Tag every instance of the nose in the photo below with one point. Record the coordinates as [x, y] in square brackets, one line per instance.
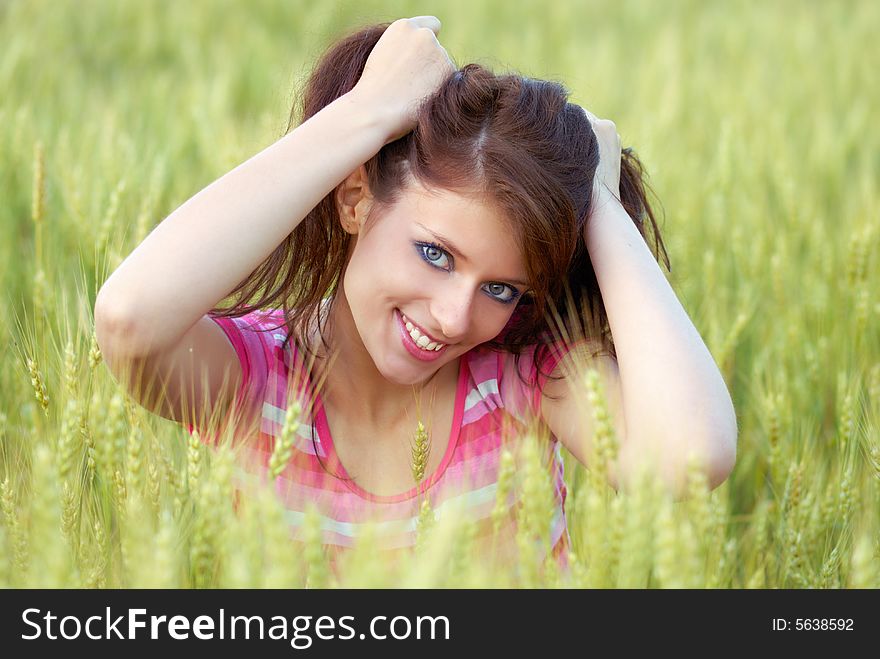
[452, 309]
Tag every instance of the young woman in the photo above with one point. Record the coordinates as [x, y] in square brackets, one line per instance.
[403, 251]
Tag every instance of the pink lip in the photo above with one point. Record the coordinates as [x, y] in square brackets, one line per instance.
[411, 346]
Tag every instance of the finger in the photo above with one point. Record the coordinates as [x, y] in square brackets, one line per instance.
[592, 117]
[430, 22]
[452, 66]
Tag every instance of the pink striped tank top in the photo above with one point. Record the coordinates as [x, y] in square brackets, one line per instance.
[493, 407]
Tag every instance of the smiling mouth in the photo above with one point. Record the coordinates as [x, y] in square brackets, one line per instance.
[423, 341]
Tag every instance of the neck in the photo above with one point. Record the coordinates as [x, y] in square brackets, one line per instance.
[358, 387]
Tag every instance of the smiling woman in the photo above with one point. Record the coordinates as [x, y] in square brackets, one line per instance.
[407, 253]
[459, 302]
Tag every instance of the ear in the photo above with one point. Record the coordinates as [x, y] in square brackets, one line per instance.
[353, 200]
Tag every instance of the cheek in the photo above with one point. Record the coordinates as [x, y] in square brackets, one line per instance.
[359, 281]
[501, 323]
[376, 272]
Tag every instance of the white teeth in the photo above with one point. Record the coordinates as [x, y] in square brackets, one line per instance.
[420, 339]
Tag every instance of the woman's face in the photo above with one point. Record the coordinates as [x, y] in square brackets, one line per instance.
[445, 262]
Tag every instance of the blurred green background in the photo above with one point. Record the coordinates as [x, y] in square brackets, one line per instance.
[753, 120]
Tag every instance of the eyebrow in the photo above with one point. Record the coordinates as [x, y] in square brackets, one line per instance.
[445, 242]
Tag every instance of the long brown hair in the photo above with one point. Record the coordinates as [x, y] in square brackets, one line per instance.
[514, 140]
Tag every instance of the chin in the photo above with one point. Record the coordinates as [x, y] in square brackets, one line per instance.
[407, 375]
[418, 374]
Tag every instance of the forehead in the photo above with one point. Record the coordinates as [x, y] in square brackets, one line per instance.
[468, 219]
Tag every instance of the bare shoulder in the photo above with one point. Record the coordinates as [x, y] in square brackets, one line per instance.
[193, 380]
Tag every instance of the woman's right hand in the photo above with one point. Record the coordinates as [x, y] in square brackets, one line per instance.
[406, 66]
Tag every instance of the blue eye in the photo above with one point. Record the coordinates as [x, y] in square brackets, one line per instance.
[502, 292]
[434, 255]
[438, 258]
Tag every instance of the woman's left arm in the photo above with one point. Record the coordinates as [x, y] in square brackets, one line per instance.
[666, 397]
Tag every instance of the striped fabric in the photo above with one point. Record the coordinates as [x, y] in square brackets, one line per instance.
[492, 408]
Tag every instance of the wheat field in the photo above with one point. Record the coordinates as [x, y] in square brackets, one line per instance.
[753, 121]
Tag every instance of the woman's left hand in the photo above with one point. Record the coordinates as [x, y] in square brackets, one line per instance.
[608, 171]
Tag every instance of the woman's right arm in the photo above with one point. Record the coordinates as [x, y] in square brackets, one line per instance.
[151, 317]
[217, 238]
[150, 314]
